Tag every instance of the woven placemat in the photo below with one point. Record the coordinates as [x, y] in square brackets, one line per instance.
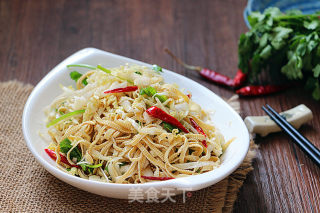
[25, 186]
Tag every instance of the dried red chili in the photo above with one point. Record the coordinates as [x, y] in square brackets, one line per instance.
[162, 115]
[212, 75]
[157, 178]
[200, 130]
[239, 79]
[260, 90]
[125, 89]
[216, 77]
[63, 159]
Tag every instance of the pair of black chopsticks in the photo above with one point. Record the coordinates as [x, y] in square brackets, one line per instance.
[304, 144]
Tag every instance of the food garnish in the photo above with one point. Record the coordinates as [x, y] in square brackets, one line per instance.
[286, 44]
[162, 115]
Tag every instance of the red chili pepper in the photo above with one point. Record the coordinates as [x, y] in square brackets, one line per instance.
[260, 90]
[157, 178]
[239, 79]
[162, 115]
[216, 77]
[200, 130]
[211, 74]
[63, 159]
[189, 96]
[125, 89]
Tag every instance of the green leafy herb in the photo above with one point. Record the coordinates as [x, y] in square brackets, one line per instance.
[150, 91]
[61, 113]
[137, 72]
[85, 82]
[285, 44]
[65, 146]
[169, 127]
[161, 98]
[157, 68]
[74, 75]
[55, 121]
[82, 65]
[88, 167]
[103, 69]
[93, 166]
[68, 169]
[106, 168]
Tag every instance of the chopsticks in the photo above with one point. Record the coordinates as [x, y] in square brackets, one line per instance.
[303, 143]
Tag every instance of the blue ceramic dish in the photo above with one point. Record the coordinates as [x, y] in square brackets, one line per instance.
[306, 6]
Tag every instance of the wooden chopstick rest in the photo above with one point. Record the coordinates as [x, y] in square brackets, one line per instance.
[263, 125]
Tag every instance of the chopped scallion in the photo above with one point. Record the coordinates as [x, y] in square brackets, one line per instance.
[82, 65]
[55, 121]
[150, 91]
[103, 69]
[169, 127]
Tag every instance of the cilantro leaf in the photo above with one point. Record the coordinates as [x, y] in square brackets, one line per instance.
[137, 72]
[293, 69]
[280, 34]
[316, 71]
[157, 68]
[65, 146]
[311, 25]
[316, 92]
[284, 45]
[85, 81]
[74, 75]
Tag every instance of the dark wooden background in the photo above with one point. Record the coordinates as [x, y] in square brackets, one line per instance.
[36, 35]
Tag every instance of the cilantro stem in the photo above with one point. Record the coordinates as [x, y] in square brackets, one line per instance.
[81, 65]
[109, 72]
[103, 69]
[295, 16]
[55, 121]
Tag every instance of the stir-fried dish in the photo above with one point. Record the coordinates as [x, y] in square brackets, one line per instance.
[126, 125]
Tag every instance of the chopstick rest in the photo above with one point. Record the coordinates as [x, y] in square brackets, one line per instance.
[263, 125]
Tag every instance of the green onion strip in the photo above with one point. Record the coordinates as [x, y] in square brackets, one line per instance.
[55, 121]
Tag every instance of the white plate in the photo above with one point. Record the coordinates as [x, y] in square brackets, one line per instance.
[225, 118]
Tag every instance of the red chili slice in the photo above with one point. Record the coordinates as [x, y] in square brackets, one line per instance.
[199, 130]
[125, 89]
[162, 115]
[157, 178]
[63, 159]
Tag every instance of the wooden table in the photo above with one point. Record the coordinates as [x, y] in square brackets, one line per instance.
[37, 35]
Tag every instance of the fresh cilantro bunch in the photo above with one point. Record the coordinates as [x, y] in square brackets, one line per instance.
[282, 43]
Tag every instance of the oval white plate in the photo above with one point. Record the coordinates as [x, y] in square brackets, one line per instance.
[225, 118]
